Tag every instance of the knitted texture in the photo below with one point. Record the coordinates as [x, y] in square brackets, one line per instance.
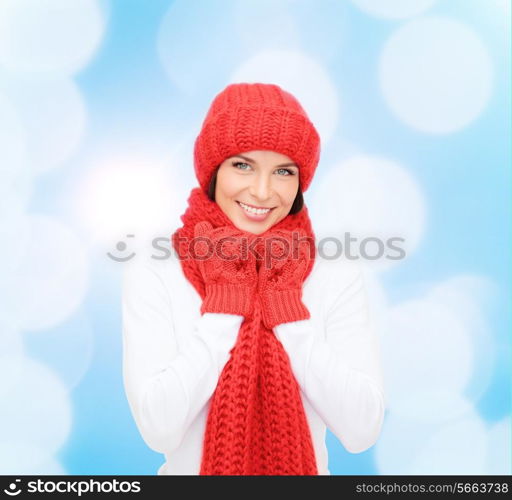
[280, 280]
[256, 116]
[230, 281]
[256, 422]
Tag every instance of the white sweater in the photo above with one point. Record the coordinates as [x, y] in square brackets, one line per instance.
[173, 356]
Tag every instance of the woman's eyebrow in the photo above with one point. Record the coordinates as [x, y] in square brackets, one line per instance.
[250, 160]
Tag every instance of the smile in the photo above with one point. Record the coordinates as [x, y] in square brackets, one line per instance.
[257, 214]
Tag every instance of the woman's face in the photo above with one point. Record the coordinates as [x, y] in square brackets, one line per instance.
[261, 179]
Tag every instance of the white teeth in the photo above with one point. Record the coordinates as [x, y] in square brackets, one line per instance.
[258, 211]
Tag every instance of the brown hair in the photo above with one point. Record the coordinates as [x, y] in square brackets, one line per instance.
[298, 203]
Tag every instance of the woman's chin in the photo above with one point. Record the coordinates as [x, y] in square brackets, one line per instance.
[252, 226]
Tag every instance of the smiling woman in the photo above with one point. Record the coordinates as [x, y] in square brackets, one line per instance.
[256, 189]
[259, 157]
[235, 364]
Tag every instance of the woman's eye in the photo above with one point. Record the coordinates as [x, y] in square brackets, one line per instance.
[282, 171]
[288, 172]
[237, 163]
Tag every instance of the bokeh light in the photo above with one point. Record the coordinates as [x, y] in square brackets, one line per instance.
[422, 69]
[370, 197]
[394, 9]
[49, 37]
[37, 409]
[100, 104]
[25, 458]
[55, 131]
[303, 77]
[123, 196]
[50, 278]
[429, 343]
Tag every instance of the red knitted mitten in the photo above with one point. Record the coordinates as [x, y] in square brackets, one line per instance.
[229, 271]
[281, 275]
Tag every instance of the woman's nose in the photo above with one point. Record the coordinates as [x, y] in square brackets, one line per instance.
[261, 188]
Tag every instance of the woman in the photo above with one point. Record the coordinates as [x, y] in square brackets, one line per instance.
[239, 354]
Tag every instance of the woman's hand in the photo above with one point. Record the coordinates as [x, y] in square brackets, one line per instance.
[286, 259]
[227, 267]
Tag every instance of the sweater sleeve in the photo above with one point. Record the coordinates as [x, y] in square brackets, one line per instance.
[340, 372]
[167, 383]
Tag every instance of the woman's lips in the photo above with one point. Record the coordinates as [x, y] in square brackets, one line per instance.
[254, 217]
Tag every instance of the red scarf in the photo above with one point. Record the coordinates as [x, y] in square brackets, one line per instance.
[259, 427]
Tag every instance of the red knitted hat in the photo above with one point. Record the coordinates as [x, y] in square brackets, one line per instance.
[256, 116]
